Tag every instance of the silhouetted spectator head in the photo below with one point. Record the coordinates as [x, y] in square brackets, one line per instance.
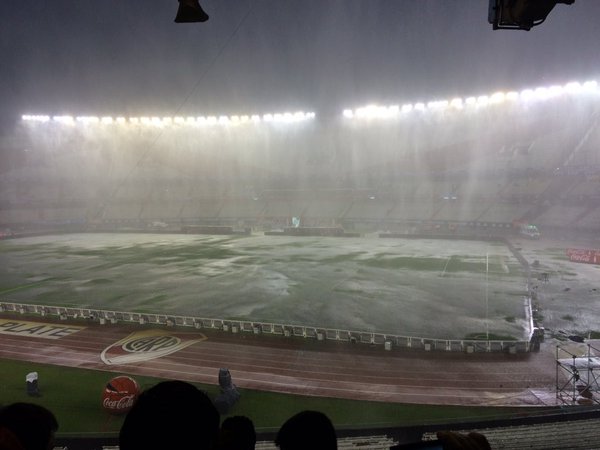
[237, 433]
[170, 415]
[32, 425]
[307, 430]
[8, 440]
[457, 441]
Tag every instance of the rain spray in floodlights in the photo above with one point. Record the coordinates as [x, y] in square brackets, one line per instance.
[520, 14]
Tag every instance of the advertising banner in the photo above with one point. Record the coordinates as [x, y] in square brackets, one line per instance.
[584, 255]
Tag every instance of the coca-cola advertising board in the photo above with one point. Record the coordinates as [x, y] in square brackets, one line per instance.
[120, 394]
[584, 255]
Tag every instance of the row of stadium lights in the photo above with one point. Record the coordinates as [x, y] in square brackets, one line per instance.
[366, 112]
[527, 95]
[286, 117]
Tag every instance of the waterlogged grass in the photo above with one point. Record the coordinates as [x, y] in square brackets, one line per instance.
[98, 282]
[451, 264]
[74, 396]
[405, 262]
[491, 336]
[312, 281]
[342, 258]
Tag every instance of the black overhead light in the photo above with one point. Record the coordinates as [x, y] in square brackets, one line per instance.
[190, 11]
[520, 14]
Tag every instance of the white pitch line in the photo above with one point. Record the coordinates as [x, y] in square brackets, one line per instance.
[446, 266]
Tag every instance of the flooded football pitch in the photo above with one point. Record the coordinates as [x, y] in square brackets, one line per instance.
[426, 287]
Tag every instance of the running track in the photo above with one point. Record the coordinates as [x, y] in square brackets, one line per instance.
[292, 365]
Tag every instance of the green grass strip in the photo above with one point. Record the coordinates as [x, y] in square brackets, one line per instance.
[24, 286]
[74, 395]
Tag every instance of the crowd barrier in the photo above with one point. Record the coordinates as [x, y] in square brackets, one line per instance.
[386, 340]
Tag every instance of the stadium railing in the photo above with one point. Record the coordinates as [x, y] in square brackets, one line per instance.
[387, 340]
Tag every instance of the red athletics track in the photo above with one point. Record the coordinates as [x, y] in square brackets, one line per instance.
[308, 367]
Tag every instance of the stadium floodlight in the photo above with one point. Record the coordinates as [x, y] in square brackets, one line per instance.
[223, 120]
[235, 119]
[145, 121]
[363, 112]
[67, 120]
[107, 120]
[420, 106]
[483, 100]
[376, 112]
[201, 120]
[527, 94]
[190, 120]
[167, 120]
[134, 120]
[541, 93]
[268, 117]
[497, 97]
[156, 121]
[299, 115]
[121, 120]
[277, 117]
[556, 90]
[179, 120]
[368, 112]
[406, 108]
[573, 87]
[456, 103]
[348, 113]
[211, 120]
[245, 119]
[310, 115]
[471, 101]
[35, 118]
[591, 85]
[437, 104]
[512, 96]
[255, 118]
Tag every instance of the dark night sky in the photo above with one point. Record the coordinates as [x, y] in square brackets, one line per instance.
[128, 57]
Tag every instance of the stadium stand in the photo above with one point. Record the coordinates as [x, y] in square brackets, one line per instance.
[199, 209]
[246, 208]
[577, 434]
[326, 209]
[412, 211]
[584, 190]
[164, 211]
[283, 208]
[459, 211]
[560, 215]
[375, 442]
[501, 212]
[122, 211]
[591, 221]
[369, 208]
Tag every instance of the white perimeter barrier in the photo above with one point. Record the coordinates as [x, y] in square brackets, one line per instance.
[389, 341]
